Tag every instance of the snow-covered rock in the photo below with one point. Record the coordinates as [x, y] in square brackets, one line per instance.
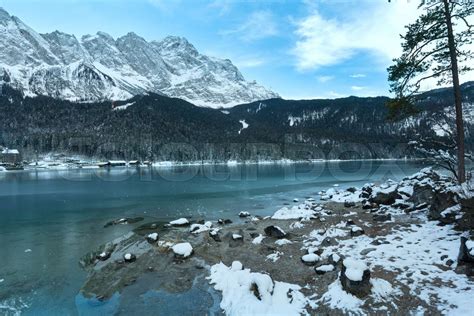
[244, 214]
[324, 268]
[198, 228]
[180, 222]
[310, 259]
[356, 231]
[214, 234]
[237, 237]
[129, 257]
[182, 250]
[99, 67]
[355, 277]
[152, 238]
[275, 232]
[103, 256]
[354, 269]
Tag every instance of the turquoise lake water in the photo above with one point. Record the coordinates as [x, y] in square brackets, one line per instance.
[49, 219]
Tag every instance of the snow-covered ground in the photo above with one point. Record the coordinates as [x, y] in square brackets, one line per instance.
[408, 255]
[251, 293]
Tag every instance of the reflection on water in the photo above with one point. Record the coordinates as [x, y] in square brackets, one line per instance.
[59, 215]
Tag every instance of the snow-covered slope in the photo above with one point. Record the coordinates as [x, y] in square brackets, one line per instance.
[98, 67]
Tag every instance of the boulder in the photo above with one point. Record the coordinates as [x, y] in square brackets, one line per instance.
[356, 231]
[275, 232]
[466, 257]
[351, 189]
[439, 202]
[350, 222]
[214, 234]
[447, 219]
[199, 228]
[422, 193]
[466, 251]
[355, 278]
[103, 256]
[466, 222]
[129, 257]
[310, 259]
[180, 222]
[324, 268]
[386, 196]
[366, 192]
[368, 205]
[254, 235]
[182, 250]
[152, 238]
[235, 239]
[244, 214]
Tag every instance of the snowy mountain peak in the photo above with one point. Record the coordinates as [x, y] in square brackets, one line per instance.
[4, 15]
[176, 43]
[98, 67]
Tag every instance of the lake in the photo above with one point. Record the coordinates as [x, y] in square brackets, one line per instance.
[49, 219]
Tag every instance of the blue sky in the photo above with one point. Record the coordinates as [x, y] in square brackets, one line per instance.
[300, 49]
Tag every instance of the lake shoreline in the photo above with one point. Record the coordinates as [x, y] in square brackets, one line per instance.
[46, 165]
[313, 228]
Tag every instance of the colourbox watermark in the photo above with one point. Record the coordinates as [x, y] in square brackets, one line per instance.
[295, 160]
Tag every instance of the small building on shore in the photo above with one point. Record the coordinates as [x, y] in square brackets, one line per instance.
[9, 156]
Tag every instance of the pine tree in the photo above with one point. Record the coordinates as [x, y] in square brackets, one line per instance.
[435, 46]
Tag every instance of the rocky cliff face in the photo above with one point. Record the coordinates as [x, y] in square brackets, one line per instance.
[99, 67]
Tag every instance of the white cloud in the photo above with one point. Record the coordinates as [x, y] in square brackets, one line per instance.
[259, 25]
[324, 79]
[358, 76]
[250, 62]
[357, 88]
[223, 7]
[361, 26]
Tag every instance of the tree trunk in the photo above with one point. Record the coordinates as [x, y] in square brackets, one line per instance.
[457, 95]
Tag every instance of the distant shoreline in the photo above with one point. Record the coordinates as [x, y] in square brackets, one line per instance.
[46, 165]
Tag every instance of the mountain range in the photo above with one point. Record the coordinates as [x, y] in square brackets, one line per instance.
[129, 98]
[99, 67]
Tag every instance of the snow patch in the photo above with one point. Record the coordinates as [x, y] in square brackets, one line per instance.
[276, 298]
[244, 125]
